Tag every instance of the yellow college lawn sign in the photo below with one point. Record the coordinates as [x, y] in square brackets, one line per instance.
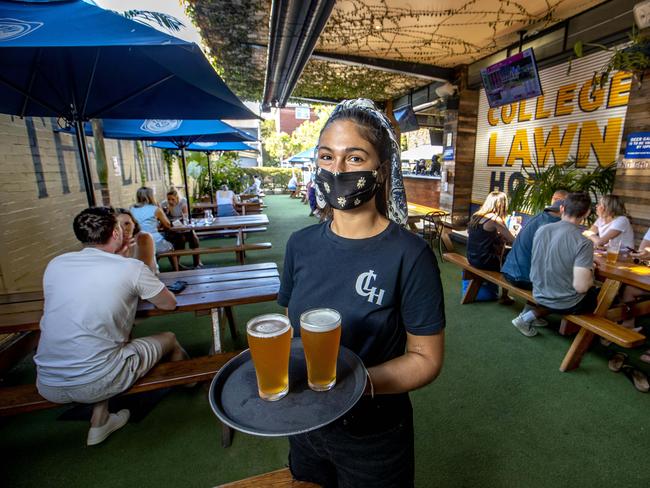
[574, 118]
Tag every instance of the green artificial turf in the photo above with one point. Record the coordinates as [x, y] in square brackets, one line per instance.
[501, 414]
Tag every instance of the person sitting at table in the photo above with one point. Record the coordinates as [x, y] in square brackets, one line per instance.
[151, 218]
[85, 352]
[292, 186]
[487, 235]
[612, 225]
[137, 243]
[516, 268]
[174, 206]
[561, 267]
[226, 202]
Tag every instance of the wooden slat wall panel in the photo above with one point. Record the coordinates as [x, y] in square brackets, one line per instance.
[633, 184]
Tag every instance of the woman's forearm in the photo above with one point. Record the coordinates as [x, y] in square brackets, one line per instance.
[418, 367]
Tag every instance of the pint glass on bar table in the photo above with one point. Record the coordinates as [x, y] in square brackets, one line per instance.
[613, 248]
[269, 339]
[320, 329]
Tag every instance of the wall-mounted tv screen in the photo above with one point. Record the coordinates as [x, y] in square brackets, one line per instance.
[513, 79]
[406, 119]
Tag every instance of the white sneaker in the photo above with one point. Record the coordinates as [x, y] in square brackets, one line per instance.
[524, 327]
[115, 421]
[539, 323]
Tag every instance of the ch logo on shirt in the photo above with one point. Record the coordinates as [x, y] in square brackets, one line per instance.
[363, 288]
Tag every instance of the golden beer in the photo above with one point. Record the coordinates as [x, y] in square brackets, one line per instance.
[269, 339]
[613, 249]
[320, 330]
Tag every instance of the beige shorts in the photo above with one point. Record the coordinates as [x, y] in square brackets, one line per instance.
[136, 359]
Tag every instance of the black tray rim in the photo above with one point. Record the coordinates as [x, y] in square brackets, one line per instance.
[360, 372]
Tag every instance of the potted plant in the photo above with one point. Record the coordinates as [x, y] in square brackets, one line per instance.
[541, 182]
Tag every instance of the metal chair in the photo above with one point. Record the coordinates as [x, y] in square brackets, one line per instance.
[432, 228]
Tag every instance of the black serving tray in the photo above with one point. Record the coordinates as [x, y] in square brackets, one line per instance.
[235, 401]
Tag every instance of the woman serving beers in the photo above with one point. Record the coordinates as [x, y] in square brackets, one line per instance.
[385, 284]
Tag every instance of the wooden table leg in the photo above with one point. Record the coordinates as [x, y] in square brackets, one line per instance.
[231, 322]
[226, 435]
[217, 326]
[578, 348]
[446, 240]
[584, 338]
[472, 290]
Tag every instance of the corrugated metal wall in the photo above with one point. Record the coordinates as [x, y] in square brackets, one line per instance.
[572, 118]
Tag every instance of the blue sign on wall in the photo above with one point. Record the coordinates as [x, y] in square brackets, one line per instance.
[448, 154]
[638, 146]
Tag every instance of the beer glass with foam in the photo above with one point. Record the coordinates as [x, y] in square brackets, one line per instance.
[320, 329]
[613, 248]
[269, 339]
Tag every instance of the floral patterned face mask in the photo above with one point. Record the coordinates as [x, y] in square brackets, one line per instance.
[344, 191]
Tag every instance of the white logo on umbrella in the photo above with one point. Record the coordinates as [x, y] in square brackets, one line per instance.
[204, 144]
[14, 28]
[158, 126]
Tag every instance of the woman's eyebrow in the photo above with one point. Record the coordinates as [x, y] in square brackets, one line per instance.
[347, 149]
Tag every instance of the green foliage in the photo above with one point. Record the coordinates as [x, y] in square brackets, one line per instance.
[541, 182]
[280, 145]
[139, 157]
[168, 158]
[634, 57]
[224, 172]
[167, 21]
[271, 177]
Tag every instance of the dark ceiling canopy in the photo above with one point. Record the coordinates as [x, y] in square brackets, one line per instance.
[294, 29]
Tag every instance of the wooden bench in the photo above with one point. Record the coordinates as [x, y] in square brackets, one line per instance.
[15, 346]
[592, 324]
[280, 478]
[25, 398]
[207, 234]
[479, 276]
[589, 324]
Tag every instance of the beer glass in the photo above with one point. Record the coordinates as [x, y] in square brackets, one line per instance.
[613, 249]
[269, 339]
[320, 329]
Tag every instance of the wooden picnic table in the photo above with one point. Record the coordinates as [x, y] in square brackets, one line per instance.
[220, 223]
[244, 208]
[613, 276]
[209, 290]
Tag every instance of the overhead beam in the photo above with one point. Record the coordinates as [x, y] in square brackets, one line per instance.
[418, 70]
[294, 28]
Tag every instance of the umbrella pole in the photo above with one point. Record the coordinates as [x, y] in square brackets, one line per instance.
[85, 163]
[187, 189]
[207, 155]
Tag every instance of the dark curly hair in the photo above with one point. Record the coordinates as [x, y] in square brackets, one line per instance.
[95, 225]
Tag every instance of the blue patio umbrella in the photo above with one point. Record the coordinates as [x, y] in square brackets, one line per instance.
[306, 156]
[208, 147]
[179, 133]
[75, 60]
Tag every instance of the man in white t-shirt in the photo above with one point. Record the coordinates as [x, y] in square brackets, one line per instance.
[85, 353]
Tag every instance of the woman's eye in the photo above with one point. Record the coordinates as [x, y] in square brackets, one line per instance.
[356, 159]
[325, 157]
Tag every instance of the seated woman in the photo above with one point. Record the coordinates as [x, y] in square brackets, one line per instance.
[150, 217]
[137, 244]
[225, 202]
[292, 186]
[612, 225]
[631, 294]
[487, 233]
[175, 208]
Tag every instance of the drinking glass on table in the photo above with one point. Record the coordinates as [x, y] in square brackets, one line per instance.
[320, 330]
[185, 218]
[613, 248]
[269, 339]
[208, 216]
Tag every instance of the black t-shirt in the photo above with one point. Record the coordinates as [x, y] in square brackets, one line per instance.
[382, 286]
